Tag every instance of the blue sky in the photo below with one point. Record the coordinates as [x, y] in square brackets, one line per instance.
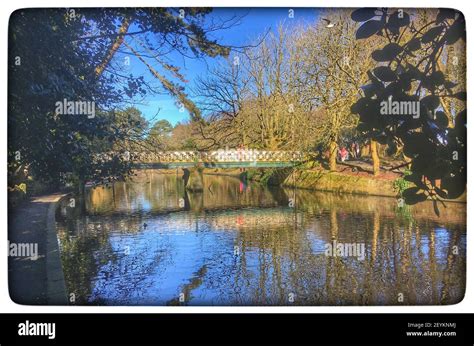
[255, 23]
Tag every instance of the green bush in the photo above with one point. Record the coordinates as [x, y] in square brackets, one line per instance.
[401, 184]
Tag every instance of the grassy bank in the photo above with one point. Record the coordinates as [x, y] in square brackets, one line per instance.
[323, 180]
[339, 182]
[319, 179]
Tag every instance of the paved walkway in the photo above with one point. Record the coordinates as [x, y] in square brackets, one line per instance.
[37, 281]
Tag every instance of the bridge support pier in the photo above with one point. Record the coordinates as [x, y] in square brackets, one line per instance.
[193, 179]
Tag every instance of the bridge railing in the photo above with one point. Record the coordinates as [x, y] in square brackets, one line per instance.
[221, 155]
[250, 155]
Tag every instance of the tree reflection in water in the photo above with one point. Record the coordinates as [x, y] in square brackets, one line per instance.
[148, 242]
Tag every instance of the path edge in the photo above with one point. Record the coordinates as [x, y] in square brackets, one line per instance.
[56, 284]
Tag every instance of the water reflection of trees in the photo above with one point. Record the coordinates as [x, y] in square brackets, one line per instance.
[155, 192]
[80, 266]
[99, 270]
[268, 255]
[275, 263]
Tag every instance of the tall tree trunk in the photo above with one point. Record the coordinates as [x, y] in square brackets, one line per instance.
[332, 155]
[375, 157]
[113, 47]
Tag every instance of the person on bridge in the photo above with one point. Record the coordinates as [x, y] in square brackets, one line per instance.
[240, 155]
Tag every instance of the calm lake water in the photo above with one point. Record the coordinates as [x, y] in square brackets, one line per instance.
[148, 242]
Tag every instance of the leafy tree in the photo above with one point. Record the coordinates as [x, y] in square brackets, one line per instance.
[46, 68]
[185, 137]
[160, 133]
[57, 54]
[410, 70]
